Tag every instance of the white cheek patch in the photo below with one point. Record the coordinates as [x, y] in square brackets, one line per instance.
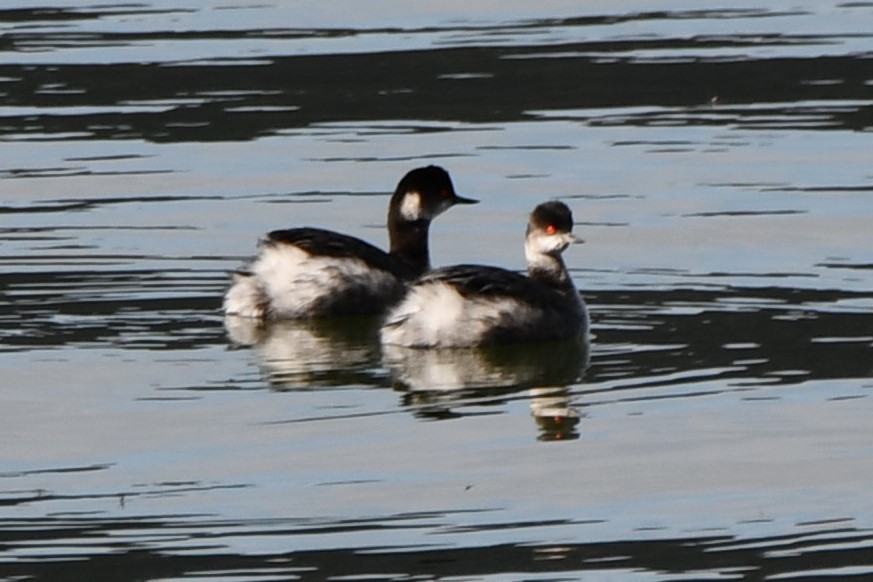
[410, 208]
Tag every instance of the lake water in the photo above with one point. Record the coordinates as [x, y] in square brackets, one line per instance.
[717, 157]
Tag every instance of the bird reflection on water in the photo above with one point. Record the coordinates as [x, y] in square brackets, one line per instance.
[435, 383]
[297, 354]
[438, 382]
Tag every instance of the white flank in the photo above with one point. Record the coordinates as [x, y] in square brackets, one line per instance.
[436, 315]
[293, 280]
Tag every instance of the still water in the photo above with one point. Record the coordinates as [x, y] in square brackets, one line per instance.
[718, 160]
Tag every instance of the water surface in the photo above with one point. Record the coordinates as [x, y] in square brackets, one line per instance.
[717, 160]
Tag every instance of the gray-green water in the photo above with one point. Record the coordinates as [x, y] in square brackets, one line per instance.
[718, 162]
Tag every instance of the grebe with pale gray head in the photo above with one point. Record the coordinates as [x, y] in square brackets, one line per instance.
[472, 305]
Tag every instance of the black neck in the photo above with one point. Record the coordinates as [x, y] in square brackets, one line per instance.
[409, 243]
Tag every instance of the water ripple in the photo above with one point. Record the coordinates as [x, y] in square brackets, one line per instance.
[171, 547]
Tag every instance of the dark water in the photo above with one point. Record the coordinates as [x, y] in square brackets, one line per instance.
[718, 162]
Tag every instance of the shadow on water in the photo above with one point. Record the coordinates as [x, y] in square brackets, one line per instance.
[236, 99]
[56, 548]
[131, 309]
[766, 335]
[753, 336]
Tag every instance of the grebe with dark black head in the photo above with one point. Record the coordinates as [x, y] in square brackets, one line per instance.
[311, 272]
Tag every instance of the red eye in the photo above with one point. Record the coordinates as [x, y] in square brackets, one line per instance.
[551, 229]
[445, 193]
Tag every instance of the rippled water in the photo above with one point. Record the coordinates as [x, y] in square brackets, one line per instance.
[718, 162]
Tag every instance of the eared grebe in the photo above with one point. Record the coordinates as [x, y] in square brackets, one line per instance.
[471, 305]
[310, 272]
